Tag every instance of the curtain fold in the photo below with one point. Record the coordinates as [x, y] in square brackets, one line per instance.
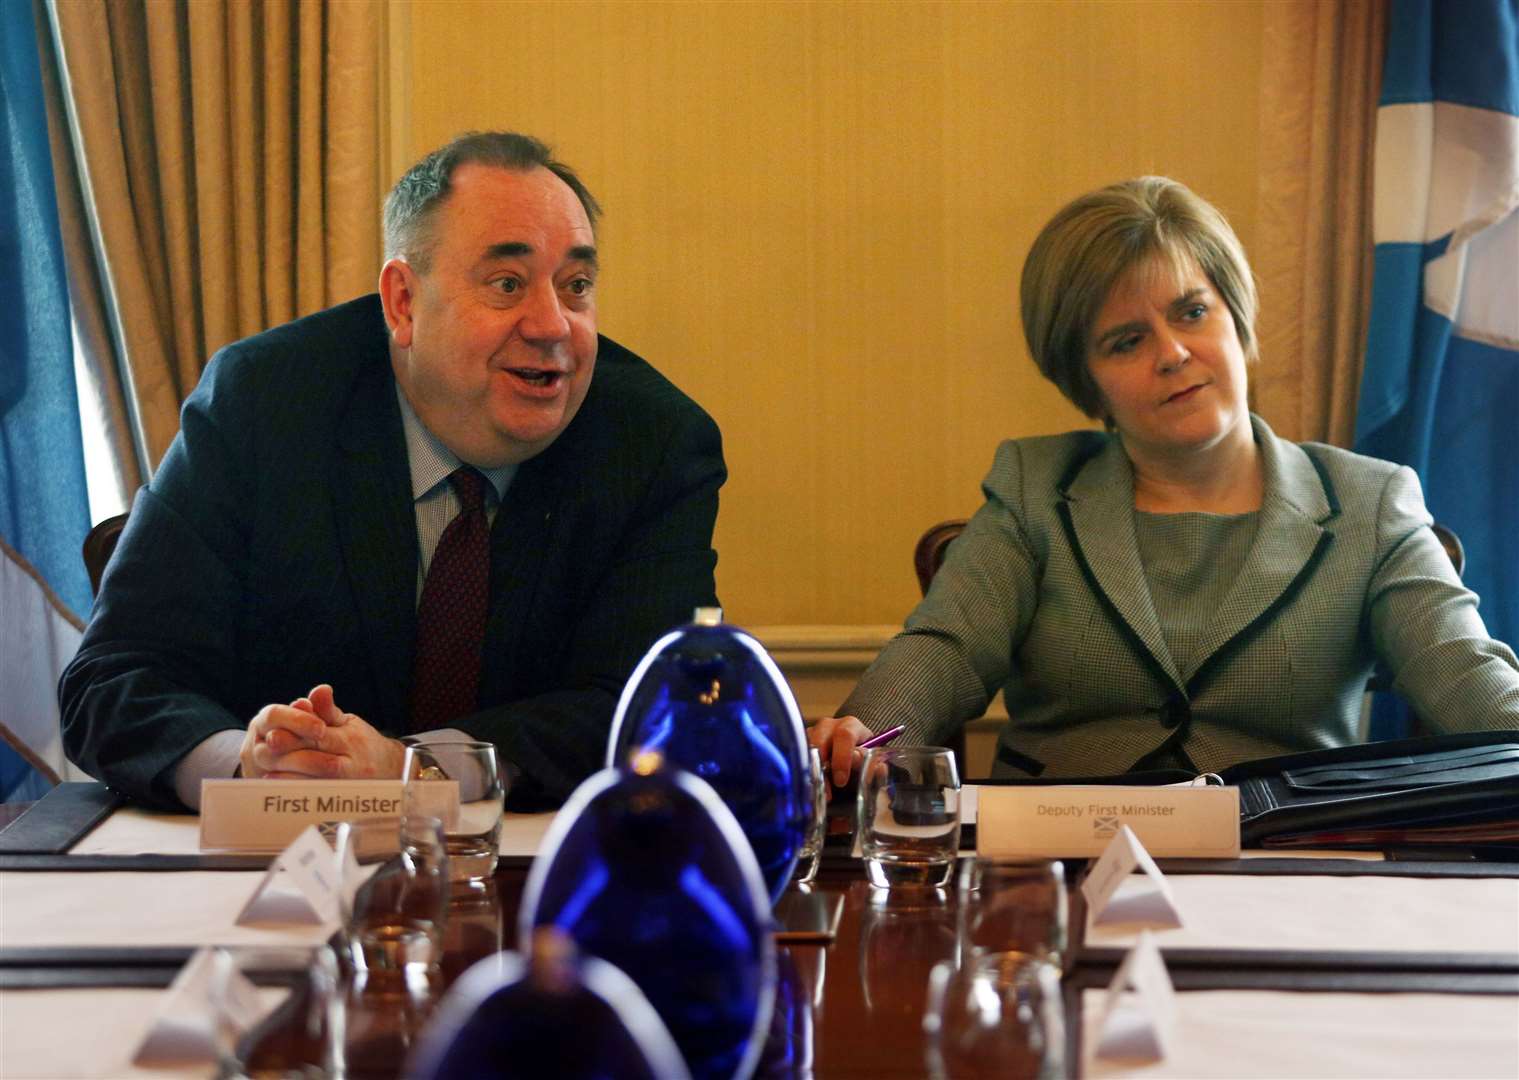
[224, 192]
[1321, 73]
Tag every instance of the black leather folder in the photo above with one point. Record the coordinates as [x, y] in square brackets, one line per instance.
[1443, 789]
[1435, 790]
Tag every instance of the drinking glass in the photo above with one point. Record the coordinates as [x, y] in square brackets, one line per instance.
[909, 815]
[473, 836]
[996, 1014]
[811, 854]
[393, 892]
[293, 1039]
[1012, 906]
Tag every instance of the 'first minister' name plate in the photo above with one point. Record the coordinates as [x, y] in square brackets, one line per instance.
[1072, 820]
[265, 815]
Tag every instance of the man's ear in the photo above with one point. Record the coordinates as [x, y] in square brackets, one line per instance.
[398, 293]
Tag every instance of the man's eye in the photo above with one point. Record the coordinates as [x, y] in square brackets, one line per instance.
[509, 285]
[581, 286]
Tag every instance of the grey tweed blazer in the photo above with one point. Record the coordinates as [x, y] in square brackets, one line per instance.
[1044, 596]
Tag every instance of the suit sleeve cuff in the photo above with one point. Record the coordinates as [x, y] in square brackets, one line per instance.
[214, 758]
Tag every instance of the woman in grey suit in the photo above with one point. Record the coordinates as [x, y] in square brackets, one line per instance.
[1183, 589]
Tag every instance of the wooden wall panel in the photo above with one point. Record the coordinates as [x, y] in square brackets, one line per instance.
[816, 217]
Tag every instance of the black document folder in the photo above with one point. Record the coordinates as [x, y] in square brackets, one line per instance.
[1440, 789]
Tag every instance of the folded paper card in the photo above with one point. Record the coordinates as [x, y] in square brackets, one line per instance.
[1152, 906]
[300, 886]
[184, 1031]
[1139, 1017]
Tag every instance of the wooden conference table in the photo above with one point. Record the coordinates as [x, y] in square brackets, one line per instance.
[853, 1003]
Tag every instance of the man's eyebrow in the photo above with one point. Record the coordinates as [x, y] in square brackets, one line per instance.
[511, 249]
[515, 249]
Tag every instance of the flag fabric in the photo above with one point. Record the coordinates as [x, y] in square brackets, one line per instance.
[1440, 389]
[44, 505]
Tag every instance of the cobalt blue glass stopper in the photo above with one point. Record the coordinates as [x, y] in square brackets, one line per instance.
[710, 699]
[550, 1013]
[647, 869]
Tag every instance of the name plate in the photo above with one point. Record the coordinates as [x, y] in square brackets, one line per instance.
[266, 815]
[1071, 820]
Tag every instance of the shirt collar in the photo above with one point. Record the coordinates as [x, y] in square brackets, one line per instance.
[431, 462]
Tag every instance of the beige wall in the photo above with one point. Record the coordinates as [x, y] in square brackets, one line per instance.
[816, 216]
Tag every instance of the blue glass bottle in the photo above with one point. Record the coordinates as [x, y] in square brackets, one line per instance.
[711, 700]
[647, 869]
[549, 1013]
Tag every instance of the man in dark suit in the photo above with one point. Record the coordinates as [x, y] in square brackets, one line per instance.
[270, 609]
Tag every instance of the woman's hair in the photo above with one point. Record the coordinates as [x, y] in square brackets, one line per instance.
[1091, 243]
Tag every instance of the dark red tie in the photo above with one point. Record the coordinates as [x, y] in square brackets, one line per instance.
[451, 617]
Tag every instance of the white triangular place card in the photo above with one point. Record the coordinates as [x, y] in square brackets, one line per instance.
[1111, 895]
[184, 1031]
[1139, 1015]
[300, 886]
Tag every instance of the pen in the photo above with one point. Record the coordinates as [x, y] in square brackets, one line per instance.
[883, 738]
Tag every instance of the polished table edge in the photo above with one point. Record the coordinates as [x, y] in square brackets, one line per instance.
[167, 863]
[133, 863]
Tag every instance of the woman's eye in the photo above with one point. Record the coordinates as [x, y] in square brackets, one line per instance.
[1126, 344]
[1195, 312]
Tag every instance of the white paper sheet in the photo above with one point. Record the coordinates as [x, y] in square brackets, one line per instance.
[194, 907]
[40, 1033]
[1339, 914]
[522, 834]
[1272, 1034]
[130, 831]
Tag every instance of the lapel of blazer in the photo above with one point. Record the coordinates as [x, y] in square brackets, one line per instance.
[519, 540]
[1098, 511]
[1290, 538]
[377, 531]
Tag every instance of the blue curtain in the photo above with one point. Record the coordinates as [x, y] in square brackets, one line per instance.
[1440, 391]
[44, 507]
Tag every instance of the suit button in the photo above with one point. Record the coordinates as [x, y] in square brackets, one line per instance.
[1174, 712]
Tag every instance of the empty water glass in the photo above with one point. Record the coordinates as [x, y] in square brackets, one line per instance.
[811, 854]
[473, 834]
[393, 892]
[1011, 906]
[995, 1014]
[909, 815]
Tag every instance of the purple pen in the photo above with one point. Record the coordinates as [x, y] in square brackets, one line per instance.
[883, 738]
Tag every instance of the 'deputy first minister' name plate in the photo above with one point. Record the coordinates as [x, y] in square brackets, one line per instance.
[1075, 820]
[265, 815]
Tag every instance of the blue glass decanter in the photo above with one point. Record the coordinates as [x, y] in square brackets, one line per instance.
[647, 869]
[549, 1013]
[711, 700]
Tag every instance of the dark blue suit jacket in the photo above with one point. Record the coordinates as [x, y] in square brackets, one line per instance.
[276, 548]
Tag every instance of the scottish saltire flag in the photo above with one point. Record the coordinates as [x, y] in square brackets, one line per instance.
[44, 508]
[1440, 391]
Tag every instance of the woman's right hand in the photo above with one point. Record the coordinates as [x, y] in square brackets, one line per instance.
[837, 739]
